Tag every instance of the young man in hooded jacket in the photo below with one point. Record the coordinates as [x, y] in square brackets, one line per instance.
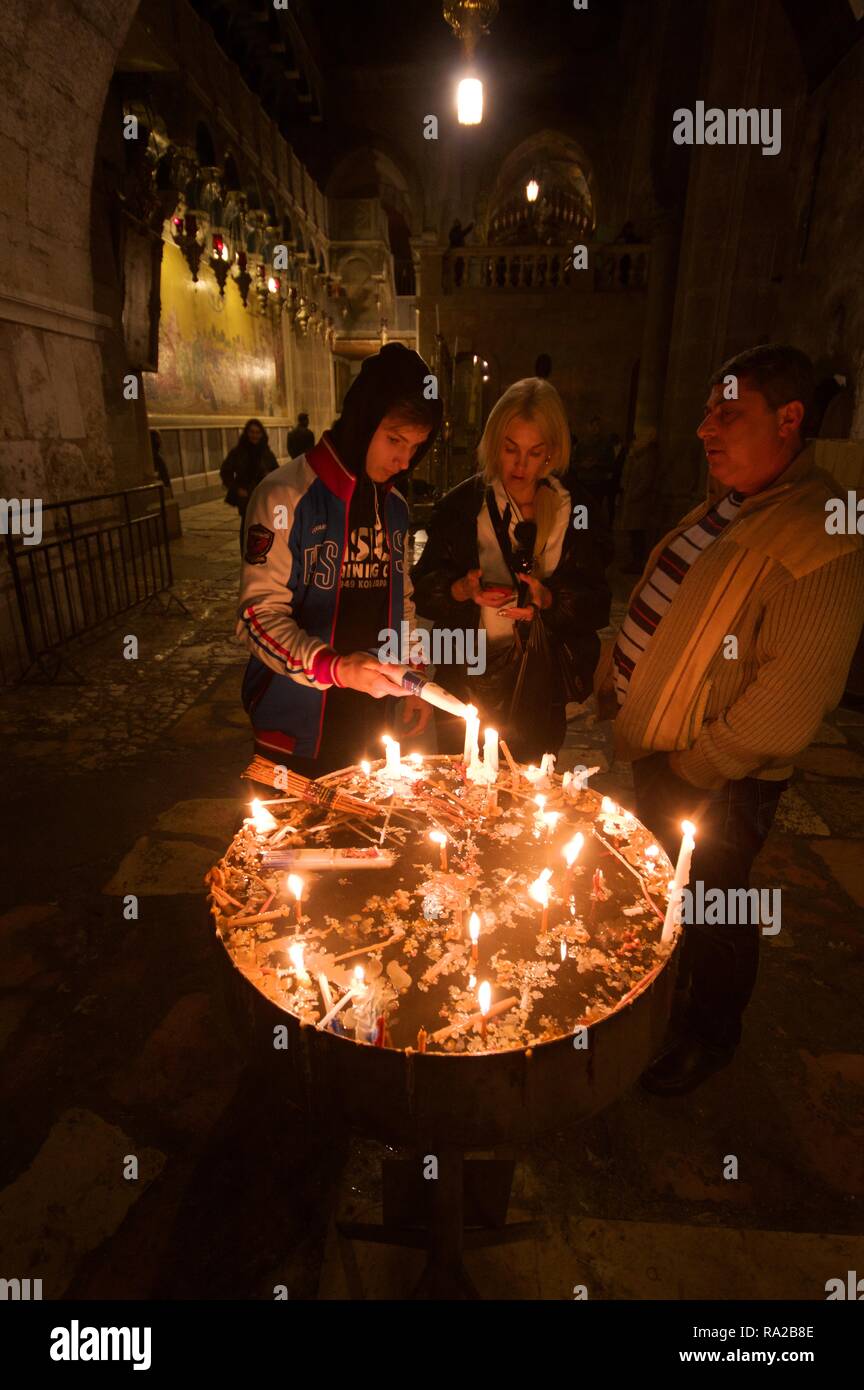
[324, 573]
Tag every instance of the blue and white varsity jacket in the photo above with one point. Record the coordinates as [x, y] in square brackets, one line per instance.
[295, 541]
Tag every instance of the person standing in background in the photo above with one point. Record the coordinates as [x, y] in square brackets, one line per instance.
[301, 438]
[249, 461]
[638, 496]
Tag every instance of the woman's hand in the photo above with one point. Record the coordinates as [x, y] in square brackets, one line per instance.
[541, 597]
[469, 588]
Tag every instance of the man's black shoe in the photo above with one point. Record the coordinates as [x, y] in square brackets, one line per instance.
[684, 1066]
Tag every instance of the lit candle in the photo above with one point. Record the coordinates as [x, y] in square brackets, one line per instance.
[474, 933]
[295, 955]
[472, 735]
[393, 757]
[356, 991]
[682, 876]
[484, 999]
[573, 849]
[365, 768]
[295, 886]
[550, 820]
[262, 818]
[421, 1040]
[440, 839]
[490, 752]
[563, 950]
[539, 891]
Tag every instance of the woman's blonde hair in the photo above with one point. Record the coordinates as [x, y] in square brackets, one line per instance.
[534, 399]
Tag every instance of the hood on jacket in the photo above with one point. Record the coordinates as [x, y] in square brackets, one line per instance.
[394, 376]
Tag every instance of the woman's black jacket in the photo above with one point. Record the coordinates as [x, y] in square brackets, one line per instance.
[581, 599]
[244, 467]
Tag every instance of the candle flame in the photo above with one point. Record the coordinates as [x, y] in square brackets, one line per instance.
[365, 768]
[474, 927]
[551, 819]
[539, 889]
[417, 759]
[295, 955]
[295, 885]
[540, 800]
[472, 980]
[470, 712]
[652, 851]
[573, 849]
[688, 829]
[437, 837]
[563, 950]
[262, 817]
[608, 807]
[484, 996]
[386, 740]
[359, 979]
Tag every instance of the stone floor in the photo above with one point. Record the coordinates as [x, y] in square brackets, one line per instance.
[116, 1043]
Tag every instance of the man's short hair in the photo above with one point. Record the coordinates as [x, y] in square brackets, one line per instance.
[303, 418]
[780, 373]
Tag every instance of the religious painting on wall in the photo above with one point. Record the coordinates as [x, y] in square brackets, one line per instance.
[215, 357]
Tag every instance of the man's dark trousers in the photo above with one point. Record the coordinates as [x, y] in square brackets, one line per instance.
[719, 962]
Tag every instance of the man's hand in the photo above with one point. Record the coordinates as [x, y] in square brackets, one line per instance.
[412, 716]
[470, 588]
[360, 671]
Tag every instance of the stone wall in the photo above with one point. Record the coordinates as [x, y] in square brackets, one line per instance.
[56, 62]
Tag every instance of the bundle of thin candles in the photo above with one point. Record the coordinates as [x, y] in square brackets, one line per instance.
[273, 775]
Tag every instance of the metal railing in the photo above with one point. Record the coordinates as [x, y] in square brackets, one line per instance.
[610, 267]
[98, 557]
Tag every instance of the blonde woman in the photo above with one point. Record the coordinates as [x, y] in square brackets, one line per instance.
[506, 550]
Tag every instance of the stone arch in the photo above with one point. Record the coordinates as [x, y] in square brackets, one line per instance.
[567, 181]
[368, 171]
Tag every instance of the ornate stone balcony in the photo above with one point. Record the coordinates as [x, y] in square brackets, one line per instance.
[610, 268]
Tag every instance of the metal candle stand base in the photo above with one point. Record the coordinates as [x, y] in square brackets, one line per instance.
[463, 1208]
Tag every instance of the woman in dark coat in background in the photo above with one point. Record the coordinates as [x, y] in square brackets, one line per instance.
[508, 547]
[249, 461]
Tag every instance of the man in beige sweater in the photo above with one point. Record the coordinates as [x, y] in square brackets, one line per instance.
[737, 642]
